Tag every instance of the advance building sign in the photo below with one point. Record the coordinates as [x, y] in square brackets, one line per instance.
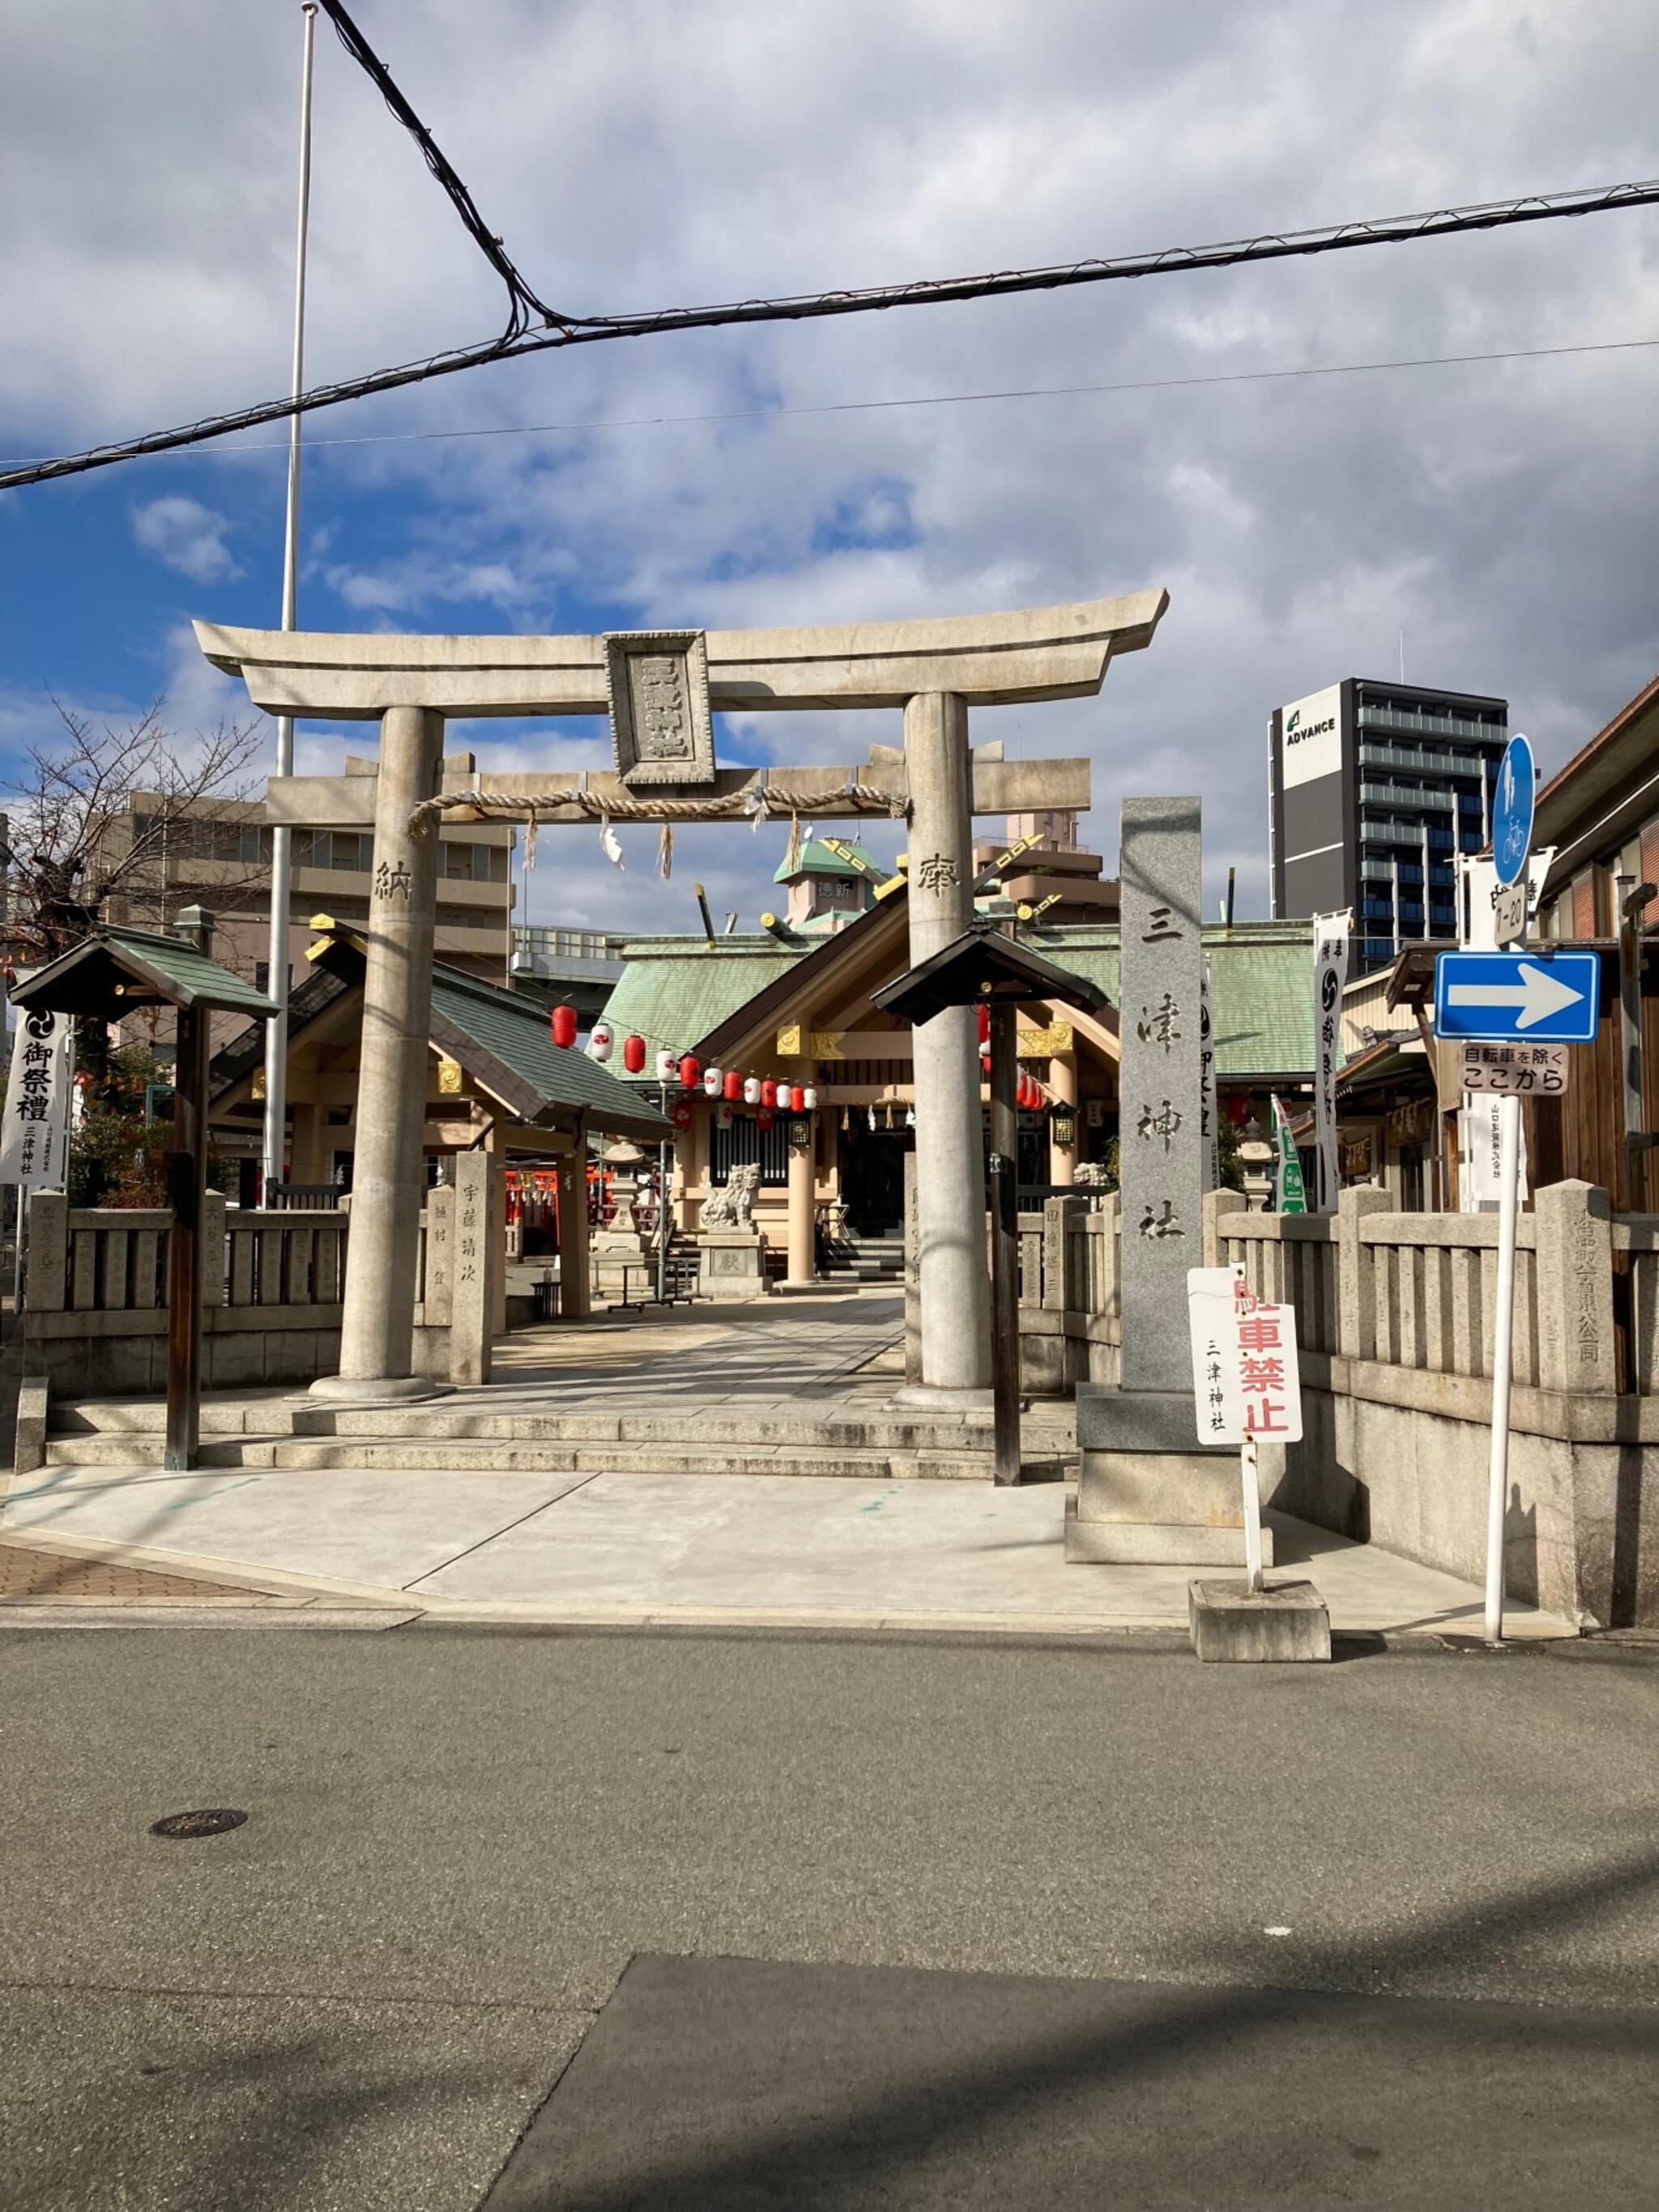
[1311, 740]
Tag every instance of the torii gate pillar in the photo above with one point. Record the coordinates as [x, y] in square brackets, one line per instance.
[953, 1272]
[388, 1182]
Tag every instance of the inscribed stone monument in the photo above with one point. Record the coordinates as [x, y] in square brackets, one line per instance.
[1146, 1490]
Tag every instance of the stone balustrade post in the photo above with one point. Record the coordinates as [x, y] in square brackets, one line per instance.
[213, 1249]
[46, 1277]
[1574, 1273]
[478, 1254]
[1218, 1204]
[1058, 1215]
[1356, 1319]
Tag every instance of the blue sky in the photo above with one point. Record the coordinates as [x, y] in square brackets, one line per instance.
[635, 154]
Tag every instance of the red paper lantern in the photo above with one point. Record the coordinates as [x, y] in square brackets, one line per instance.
[682, 1113]
[634, 1054]
[797, 1099]
[565, 1026]
[764, 1117]
[768, 1093]
[733, 1086]
[984, 1013]
[690, 1068]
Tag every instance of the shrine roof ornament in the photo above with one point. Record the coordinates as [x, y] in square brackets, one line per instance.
[988, 659]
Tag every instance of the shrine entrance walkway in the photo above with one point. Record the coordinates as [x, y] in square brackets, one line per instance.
[707, 1466]
[847, 1347]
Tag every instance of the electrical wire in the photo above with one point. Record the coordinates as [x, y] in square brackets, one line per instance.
[1272, 246]
[524, 305]
[938, 398]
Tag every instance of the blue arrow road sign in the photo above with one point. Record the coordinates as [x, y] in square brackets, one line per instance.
[1553, 998]
[1511, 810]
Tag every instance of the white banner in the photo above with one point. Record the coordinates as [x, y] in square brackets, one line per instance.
[1478, 885]
[1330, 973]
[34, 1145]
[1208, 1127]
[1245, 1376]
[1479, 1187]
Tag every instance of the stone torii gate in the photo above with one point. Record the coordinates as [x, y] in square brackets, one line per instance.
[660, 688]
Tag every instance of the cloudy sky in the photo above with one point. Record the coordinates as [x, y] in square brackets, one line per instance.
[637, 153]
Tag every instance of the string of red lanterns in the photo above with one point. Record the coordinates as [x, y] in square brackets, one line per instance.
[726, 1085]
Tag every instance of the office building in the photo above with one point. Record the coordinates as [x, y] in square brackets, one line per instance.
[1375, 789]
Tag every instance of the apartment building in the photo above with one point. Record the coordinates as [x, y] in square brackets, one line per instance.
[1375, 789]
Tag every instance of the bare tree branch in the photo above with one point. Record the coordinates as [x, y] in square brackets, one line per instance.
[113, 824]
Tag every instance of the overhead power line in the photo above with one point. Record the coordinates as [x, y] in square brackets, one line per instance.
[1270, 246]
[936, 398]
[525, 308]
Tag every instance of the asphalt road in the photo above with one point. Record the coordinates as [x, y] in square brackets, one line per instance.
[457, 1841]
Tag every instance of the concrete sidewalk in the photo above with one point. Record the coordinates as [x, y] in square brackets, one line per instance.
[519, 1544]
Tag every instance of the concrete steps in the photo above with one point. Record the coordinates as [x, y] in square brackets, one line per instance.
[856, 1442]
[550, 1456]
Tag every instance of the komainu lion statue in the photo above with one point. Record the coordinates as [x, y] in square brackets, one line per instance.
[730, 1208]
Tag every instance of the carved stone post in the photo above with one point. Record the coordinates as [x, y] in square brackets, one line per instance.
[1575, 1289]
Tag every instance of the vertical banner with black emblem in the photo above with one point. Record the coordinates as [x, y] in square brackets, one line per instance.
[35, 1148]
[1330, 973]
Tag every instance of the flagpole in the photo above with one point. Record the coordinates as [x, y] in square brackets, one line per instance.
[281, 838]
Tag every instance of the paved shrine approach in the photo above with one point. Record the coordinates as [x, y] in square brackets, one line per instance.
[661, 689]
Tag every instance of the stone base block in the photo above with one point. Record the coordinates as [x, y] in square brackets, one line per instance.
[1156, 1543]
[926, 1398]
[734, 1263]
[1230, 1622]
[375, 1390]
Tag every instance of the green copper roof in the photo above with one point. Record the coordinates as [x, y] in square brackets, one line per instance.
[146, 969]
[504, 1042]
[676, 990]
[816, 859]
[1260, 986]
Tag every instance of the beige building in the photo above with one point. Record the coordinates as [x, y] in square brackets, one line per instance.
[217, 851]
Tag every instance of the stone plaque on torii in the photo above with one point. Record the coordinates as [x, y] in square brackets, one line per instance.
[661, 688]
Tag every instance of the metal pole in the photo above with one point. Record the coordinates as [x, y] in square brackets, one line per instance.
[1005, 1241]
[186, 1193]
[18, 1285]
[662, 1204]
[281, 838]
[1634, 898]
[1508, 1176]
[1252, 1515]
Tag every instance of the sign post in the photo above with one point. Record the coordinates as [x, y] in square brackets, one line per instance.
[1245, 1382]
[1510, 997]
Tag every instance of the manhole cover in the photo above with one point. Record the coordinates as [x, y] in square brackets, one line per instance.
[212, 1822]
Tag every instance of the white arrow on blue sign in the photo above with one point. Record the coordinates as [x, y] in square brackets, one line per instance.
[1552, 997]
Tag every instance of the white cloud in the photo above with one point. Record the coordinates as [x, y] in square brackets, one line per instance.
[185, 535]
[1500, 515]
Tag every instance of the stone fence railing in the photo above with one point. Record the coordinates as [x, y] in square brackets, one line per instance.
[95, 1302]
[1394, 1325]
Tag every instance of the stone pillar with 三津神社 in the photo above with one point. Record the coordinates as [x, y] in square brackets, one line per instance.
[1147, 1490]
